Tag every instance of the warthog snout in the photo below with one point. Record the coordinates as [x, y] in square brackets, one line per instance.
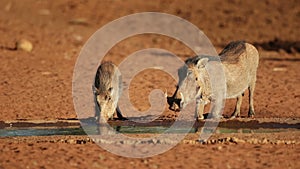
[106, 104]
[174, 103]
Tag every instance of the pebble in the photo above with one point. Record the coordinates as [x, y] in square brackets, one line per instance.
[155, 166]
[79, 21]
[72, 141]
[278, 142]
[24, 45]
[46, 73]
[279, 69]
[264, 141]
[288, 142]
[219, 148]
[234, 139]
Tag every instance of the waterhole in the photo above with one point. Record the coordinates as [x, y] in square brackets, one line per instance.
[74, 128]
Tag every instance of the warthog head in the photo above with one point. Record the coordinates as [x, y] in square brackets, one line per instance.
[191, 80]
[106, 90]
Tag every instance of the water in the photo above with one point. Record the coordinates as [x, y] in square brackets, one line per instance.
[13, 132]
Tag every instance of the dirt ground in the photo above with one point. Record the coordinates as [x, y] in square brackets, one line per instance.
[37, 85]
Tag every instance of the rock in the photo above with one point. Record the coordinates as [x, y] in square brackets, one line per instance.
[72, 141]
[145, 161]
[79, 21]
[254, 141]
[219, 148]
[46, 73]
[25, 45]
[264, 141]
[288, 142]
[279, 69]
[234, 139]
[155, 166]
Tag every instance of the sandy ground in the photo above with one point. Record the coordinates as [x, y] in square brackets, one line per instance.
[37, 85]
[80, 152]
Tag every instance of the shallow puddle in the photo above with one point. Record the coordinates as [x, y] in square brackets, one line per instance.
[13, 132]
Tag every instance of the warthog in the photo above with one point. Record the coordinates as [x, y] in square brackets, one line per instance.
[107, 90]
[240, 62]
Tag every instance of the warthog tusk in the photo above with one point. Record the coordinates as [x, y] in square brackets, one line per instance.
[166, 93]
[181, 95]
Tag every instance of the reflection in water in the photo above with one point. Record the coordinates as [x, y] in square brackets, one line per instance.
[96, 130]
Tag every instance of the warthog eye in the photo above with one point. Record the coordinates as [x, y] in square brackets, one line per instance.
[107, 97]
[196, 79]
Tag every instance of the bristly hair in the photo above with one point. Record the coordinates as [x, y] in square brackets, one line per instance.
[104, 76]
[194, 60]
[231, 53]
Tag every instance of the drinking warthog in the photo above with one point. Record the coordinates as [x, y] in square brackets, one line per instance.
[240, 62]
[107, 90]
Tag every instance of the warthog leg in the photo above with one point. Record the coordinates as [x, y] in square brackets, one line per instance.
[199, 110]
[251, 93]
[237, 110]
[119, 114]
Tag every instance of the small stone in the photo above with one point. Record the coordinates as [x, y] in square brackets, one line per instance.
[264, 141]
[242, 141]
[72, 141]
[145, 161]
[219, 148]
[234, 139]
[155, 166]
[46, 73]
[288, 142]
[25, 45]
[78, 38]
[79, 21]
[279, 69]
[254, 141]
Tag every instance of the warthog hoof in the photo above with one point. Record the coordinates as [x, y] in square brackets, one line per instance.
[214, 116]
[251, 113]
[200, 118]
[232, 117]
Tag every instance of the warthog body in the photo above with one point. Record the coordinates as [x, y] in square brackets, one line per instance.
[240, 62]
[107, 90]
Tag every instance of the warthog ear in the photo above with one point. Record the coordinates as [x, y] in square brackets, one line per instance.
[202, 62]
[95, 90]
